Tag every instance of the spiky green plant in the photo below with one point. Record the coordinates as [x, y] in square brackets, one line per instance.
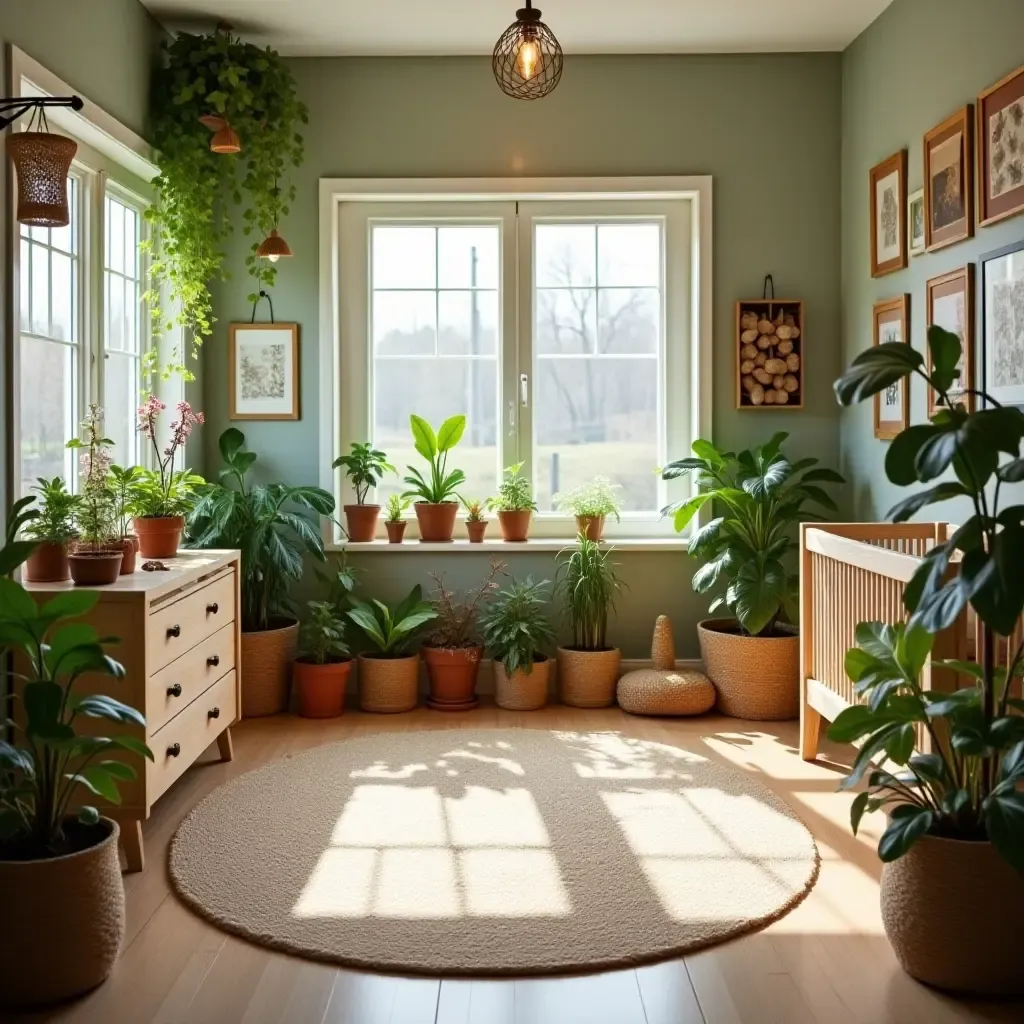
[589, 585]
[515, 627]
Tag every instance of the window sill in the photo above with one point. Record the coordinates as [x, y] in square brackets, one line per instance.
[534, 545]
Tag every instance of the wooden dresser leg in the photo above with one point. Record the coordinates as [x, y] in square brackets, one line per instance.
[131, 840]
[810, 732]
[227, 752]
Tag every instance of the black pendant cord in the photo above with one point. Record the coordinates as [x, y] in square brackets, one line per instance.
[769, 280]
[13, 107]
[270, 303]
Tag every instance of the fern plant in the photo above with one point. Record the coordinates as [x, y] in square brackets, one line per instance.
[514, 627]
[56, 508]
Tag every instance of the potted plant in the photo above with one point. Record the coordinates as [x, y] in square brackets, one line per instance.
[98, 553]
[591, 503]
[514, 504]
[52, 527]
[162, 497]
[320, 672]
[273, 525]
[394, 521]
[452, 652]
[389, 677]
[59, 868]
[476, 521]
[515, 631]
[589, 587]
[437, 497]
[365, 467]
[953, 850]
[123, 482]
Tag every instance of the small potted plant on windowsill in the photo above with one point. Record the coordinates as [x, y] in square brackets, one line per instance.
[389, 677]
[515, 631]
[591, 503]
[365, 467]
[320, 673]
[52, 526]
[476, 521]
[437, 497]
[514, 504]
[395, 522]
[122, 484]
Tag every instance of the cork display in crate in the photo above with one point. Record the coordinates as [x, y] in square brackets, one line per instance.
[769, 354]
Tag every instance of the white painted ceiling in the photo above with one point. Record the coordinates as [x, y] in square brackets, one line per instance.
[444, 27]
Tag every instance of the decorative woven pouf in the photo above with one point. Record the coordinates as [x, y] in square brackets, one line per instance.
[663, 689]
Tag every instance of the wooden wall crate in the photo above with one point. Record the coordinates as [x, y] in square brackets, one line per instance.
[757, 355]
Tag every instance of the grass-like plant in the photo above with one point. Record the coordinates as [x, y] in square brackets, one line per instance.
[589, 585]
[513, 492]
[515, 627]
[595, 499]
[365, 466]
[55, 508]
[442, 486]
[391, 631]
[322, 636]
[396, 508]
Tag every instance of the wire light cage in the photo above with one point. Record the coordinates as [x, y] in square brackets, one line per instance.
[527, 59]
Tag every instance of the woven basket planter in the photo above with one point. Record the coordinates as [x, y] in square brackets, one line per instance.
[389, 685]
[650, 691]
[948, 908]
[756, 677]
[586, 679]
[65, 916]
[522, 691]
[266, 662]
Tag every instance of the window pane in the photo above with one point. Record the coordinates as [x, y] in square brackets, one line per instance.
[404, 257]
[40, 323]
[63, 326]
[115, 311]
[25, 275]
[566, 320]
[131, 316]
[404, 323]
[131, 252]
[115, 235]
[120, 398]
[467, 323]
[564, 255]
[48, 400]
[468, 257]
[628, 320]
[64, 238]
[629, 254]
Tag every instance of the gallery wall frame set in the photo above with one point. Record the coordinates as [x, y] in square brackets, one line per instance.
[1000, 142]
[263, 371]
[915, 222]
[950, 304]
[949, 181]
[891, 323]
[1001, 297]
[889, 215]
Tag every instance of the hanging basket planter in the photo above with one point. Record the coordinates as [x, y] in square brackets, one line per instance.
[42, 161]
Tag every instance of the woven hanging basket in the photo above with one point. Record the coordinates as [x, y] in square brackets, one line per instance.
[42, 160]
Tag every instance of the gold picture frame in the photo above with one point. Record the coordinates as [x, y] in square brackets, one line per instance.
[891, 322]
[950, 304]
[263, 371]
[888, 182]
[1000, 193]
[949, 181]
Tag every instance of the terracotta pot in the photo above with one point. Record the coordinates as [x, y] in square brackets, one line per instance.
[130, 547]
[159, 536]
[587, 679]
[437, 522]
[452, 673]
[89, 569]
[476, 531]
[522, 691]
[389, 685]
[946, 908]
[266, 657]
[592, 526]
[515, 526]
[67, 914]
[396, 531]
[362, 522]
[756, 677]
[320, 689]
[47, 564]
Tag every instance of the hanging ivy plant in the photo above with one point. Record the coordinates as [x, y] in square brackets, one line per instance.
[199, 191]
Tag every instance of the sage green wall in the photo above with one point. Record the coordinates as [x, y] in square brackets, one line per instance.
[765, 126]
[917, 64]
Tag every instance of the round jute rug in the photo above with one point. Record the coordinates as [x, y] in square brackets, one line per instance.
[498, 852]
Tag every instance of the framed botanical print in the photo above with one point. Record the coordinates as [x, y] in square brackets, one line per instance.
[891, 322]
[915, 222]
[889, 215]
[1001, 149]
[1002, 324]
[951, 306]
[263, 371]
[949, 180]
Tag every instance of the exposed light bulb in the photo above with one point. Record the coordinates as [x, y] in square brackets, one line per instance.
[273, 257]
[528, 59]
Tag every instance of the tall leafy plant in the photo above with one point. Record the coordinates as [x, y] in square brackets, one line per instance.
[589, 585]
[969, 785]
[365, 466]
[440, 486]
[760, 495]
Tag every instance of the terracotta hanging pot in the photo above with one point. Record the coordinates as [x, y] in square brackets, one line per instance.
[515, 525]
[437, 522]
[452, 673]
[47, 564]
[361, 522]
[476, 530]
[396, 531]
[159, 536]
[42, 160]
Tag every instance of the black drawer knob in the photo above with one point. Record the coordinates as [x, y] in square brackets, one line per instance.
[173, 631]
[174, 750]
[214, 712]
[213, 660]
[212, 609]
[174, 691]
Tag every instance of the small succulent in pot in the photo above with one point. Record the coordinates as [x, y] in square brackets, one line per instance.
[52, 525]
[476, 520]
[365, 467]
[394, 521]
[514, 504]
[123, 481]
[591, 503]
[437, 495]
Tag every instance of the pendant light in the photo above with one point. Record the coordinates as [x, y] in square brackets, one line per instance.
[274, 247]
[527, 59]
[225, 138]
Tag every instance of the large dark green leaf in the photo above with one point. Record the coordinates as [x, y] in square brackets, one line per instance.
[768, 480]
[935, 455]
[99, 706]
[14, 553]
[1012, 472]
[903, 510]
[945, 352]
[756, 594]
[998, 597]
[15, 603]
[907, 824]
[1004, 822]
[681, 468]
[230, 443]
[875, 369]
[705, 536]
[825, 476]
[900, 459]
[70, 604]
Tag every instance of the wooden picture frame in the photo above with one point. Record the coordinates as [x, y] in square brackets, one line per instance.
[949, 181]
[915, 222]
[263, 371]
[1000, 191]
[1001, 295]
[888, 184]
[890, 321]
[950, 304]
[790, 314]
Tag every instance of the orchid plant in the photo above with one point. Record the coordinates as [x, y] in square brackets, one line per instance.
[166, 492]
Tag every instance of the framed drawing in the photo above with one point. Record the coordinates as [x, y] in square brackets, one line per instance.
[1001, 149]
[1002, 324]
[891, 323]
[263, 371]
[951, 306]
[889, 215]
[949, 180]
[915, 222]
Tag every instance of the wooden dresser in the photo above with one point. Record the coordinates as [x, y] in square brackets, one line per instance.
[180, 632]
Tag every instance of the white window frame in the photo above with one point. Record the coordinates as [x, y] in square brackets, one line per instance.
[344, 369]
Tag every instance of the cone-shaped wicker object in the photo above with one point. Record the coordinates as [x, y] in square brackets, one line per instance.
[42, 161]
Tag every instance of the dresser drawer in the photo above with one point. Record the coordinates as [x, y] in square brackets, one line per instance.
[177, 745]
[177, 627]
[174, 687]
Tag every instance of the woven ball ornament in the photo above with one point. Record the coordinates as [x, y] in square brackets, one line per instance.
[527, 59]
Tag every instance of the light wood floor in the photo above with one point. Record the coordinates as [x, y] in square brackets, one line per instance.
[827, 962]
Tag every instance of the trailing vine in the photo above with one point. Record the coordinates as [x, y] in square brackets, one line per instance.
[198, 190]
